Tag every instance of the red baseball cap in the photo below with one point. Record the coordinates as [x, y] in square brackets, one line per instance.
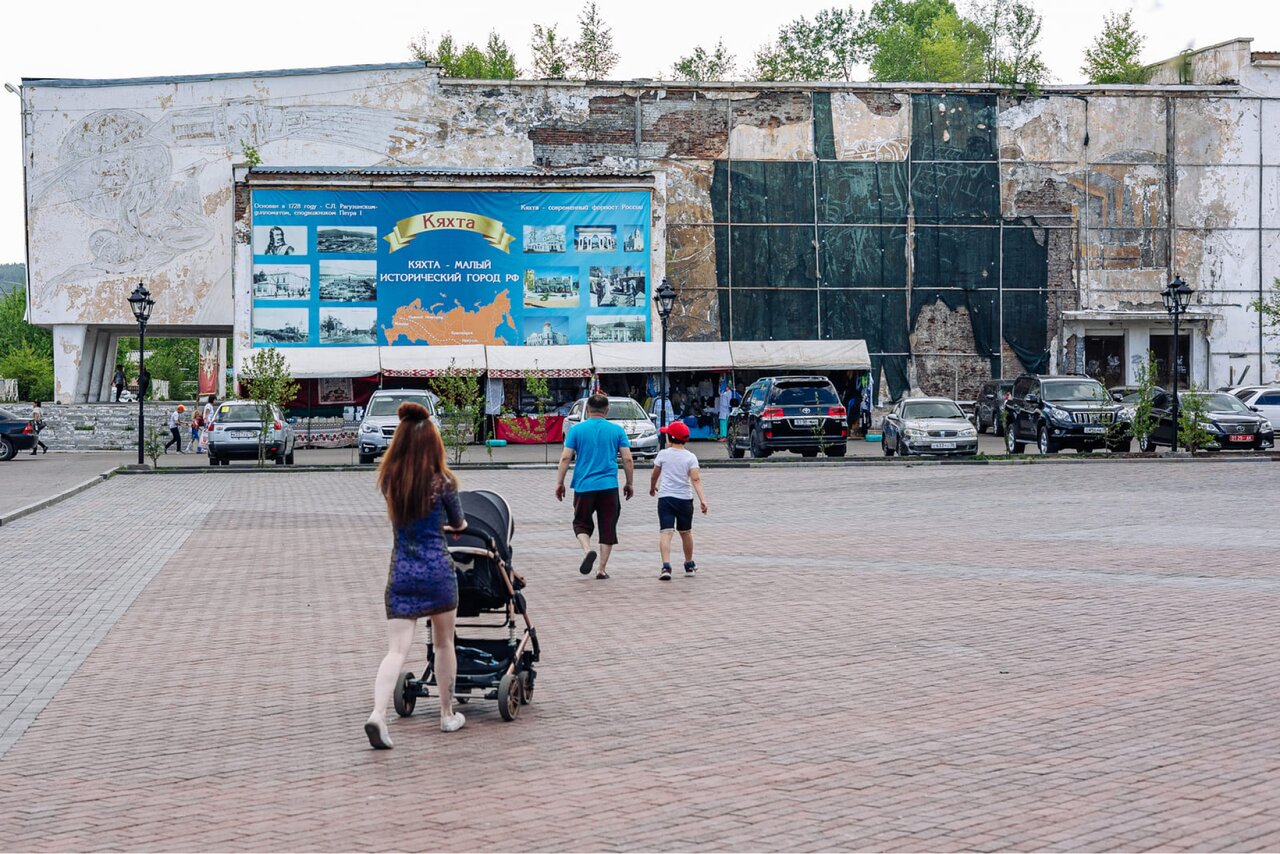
[677, 430]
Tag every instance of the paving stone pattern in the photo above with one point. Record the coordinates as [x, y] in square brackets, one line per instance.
[1042, 657]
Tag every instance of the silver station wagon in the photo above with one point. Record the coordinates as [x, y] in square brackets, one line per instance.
[234, 434]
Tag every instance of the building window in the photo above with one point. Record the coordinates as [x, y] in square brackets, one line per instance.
[1104, 358]
[1162, 350]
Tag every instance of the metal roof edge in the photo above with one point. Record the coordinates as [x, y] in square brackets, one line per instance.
[445, 171]
[57, 82]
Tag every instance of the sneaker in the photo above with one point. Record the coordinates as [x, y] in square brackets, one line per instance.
[376, 729]
[690, 569]
[665, 575]
[453, 723]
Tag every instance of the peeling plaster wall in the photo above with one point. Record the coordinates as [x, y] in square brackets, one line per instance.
[947, 224]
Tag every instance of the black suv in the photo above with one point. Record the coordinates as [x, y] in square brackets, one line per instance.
[988, 409]
[1063, 412]
[801, 414]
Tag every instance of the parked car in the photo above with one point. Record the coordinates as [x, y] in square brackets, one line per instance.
[988, 409]
[234, 434]
[1264, 399]
[380, 419]
[1059, 412]
[630, 416]
[1129, 402]
[1231, 423]
[801, 414]
[928, 425]
[16, 434]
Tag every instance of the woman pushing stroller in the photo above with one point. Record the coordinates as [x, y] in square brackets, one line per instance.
[422, 496]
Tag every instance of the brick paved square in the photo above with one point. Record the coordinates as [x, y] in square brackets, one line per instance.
[1062, 657]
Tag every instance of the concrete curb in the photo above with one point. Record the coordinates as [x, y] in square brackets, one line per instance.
[14, 515]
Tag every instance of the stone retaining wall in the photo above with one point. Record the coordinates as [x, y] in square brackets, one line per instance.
[96, 426]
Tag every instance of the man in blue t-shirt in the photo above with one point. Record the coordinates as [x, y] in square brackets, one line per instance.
[593, 447]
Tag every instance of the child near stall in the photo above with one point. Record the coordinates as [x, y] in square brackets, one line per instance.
[676, 477]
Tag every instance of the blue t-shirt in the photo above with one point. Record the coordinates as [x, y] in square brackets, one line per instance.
[595, 443]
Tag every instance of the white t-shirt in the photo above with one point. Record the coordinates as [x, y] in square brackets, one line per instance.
[208, 414]
[676, 463]
[173, 419]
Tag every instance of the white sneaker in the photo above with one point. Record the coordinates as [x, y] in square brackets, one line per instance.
[376, 729]
[453, 723]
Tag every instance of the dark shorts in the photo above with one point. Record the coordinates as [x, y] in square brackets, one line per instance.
[605, 505]
[675, 513]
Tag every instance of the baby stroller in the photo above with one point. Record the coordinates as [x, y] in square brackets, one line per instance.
[488, 668]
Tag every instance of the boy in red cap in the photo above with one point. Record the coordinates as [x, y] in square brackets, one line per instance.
[676, 477]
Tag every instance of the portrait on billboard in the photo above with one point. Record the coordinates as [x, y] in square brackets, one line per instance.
[281, 281]
[556, 287]
[354, 239]
[615, 328]
[280, 326]
[617, 287]
[541, 239]
[348, 325]
[546, 330]
[595, 238]
[279, 240]
[348, 281]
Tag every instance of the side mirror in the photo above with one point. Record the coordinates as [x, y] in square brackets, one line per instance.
[1117, 396]
[1255, 409]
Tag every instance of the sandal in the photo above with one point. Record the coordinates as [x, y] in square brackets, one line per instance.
[601, 576]
[588, 561]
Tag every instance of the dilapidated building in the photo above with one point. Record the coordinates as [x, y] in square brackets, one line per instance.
[961, 231]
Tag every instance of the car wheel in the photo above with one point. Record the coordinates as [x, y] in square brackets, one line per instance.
[279, 459]
[213, 461]
[808, 452]
[1011, 443]
[884, 446]
[7, 451]
[1044, 443]
[288, 460]
[837, 450]
[978, 423]
[365, 459]
[1120, 447]
[731, 445]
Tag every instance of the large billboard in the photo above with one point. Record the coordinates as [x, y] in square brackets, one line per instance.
[412, 267]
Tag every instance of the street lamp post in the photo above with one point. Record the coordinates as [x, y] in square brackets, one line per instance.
[666, 300]
[141, 303]
[1176, 298]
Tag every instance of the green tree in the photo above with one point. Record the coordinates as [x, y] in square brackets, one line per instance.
[703, 64]
[1113, 57]
[1268, 313]
[26, 351]
[1142, 423]
[1192, 413]
[270, 386]
[460, 410]
[175, 360]
[593, 53]
[1011, 29]
[550, 54]
[494, 62]
[925, 41]
[827, 48]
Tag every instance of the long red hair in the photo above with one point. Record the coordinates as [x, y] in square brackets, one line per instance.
[414, 468]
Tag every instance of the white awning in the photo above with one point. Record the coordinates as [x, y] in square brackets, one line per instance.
[424, 361]
[563, 360]
[306, 363]
[645, 357]
[848, 355]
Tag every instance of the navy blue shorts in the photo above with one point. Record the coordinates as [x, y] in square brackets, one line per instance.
[675, 513]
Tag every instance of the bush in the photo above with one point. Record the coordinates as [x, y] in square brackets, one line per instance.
[32, 369]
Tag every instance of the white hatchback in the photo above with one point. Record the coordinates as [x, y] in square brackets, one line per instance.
[1264, 399]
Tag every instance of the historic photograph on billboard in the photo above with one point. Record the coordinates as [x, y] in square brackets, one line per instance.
[551, 288]
[617, 287]
[279, 240]
[540, 239]
[348, 325]
[546, 330]
[280, 326]
[633, 239]
[356, 239]
[348, 281]
[595, 238]
[615, 328]
[281, 281]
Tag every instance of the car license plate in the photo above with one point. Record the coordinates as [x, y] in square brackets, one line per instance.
[243, 434]
[943, 446]
[1093, 429]
[805, 422]
[1241, 438]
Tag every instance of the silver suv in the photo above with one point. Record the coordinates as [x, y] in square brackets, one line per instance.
[234, 434]
[380, 419]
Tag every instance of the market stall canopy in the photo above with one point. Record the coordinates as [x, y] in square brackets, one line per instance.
[563, 360]
[646, 357]
[409, 361]
[850, 355]
[308, 363]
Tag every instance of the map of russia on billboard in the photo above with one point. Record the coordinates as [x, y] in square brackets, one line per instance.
[426, 267]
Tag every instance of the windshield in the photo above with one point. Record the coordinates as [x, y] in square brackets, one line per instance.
[932, 409]
[1076, 391]
[386, 405]
[804, 395]
[231, 412]
[1222, 403]
[626, 410]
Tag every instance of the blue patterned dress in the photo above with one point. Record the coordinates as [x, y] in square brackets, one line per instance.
[421, 579]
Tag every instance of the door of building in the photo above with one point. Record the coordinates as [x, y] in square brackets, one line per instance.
[1104, 358]
[1162, 350]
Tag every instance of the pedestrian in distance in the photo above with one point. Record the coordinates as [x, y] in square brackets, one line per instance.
[422, 503]
[676, 478]
[725, 406]
[175, 430]
[197, 424]
[37, 426]
[118, 381]
[593, 446]
[208, 423]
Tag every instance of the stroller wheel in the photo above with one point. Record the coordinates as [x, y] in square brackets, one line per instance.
[509, 697]
[403, 696]
[526, 687]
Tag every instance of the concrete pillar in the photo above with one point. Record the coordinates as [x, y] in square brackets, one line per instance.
[1137, 341]
[110, 352]
[102, 340]
[68, 352]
